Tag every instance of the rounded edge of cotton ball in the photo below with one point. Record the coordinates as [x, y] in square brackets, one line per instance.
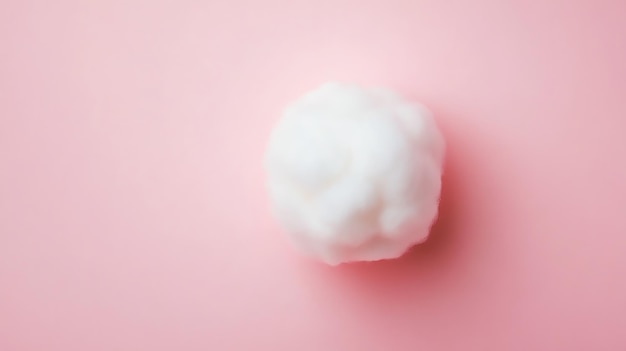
[354, 173]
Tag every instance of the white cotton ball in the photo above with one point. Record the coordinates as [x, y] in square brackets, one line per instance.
[354, 174]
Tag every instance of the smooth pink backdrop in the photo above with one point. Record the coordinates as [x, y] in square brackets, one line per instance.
[132, 209]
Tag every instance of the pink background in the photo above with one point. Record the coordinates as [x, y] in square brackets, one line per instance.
[132, 208]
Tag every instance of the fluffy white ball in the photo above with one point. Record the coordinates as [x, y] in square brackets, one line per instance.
[354, 174]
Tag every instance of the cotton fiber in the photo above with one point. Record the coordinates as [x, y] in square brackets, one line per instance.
[354, 173]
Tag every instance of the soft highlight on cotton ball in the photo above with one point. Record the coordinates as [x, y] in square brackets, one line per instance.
[354, 174]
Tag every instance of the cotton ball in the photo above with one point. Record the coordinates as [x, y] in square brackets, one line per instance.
[354, 174]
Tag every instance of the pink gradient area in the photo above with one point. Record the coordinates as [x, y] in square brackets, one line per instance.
[132, 209]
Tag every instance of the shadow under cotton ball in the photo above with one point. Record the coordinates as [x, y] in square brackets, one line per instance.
[354, 174]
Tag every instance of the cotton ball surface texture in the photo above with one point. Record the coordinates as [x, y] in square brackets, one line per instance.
[354, 173]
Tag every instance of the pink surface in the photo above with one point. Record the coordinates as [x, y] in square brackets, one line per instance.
[132, 208]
